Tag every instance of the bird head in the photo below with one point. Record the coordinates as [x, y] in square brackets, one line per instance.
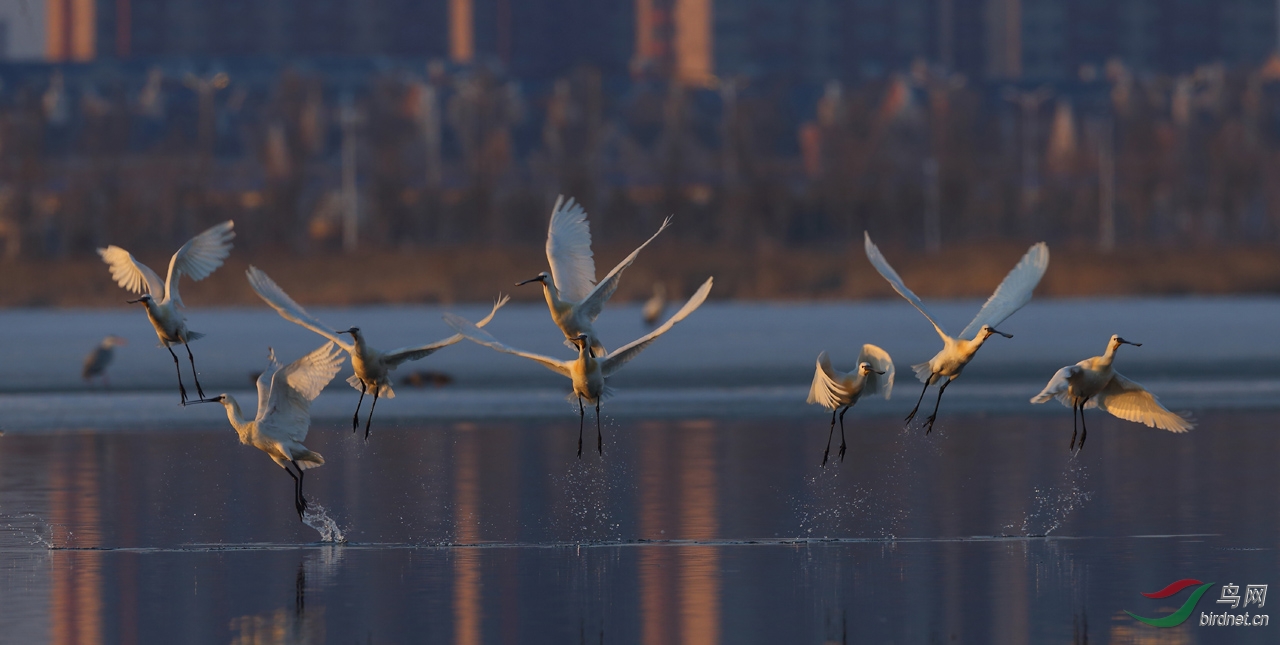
[865, 368]
[987, 330]
[541, 277]
[1117, 341]
[144, 299]
[354, 331]
[221, 398]
[584, 343]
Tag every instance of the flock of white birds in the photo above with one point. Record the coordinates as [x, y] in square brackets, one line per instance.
[575, 299]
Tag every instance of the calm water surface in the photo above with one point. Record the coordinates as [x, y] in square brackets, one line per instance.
[695, 531]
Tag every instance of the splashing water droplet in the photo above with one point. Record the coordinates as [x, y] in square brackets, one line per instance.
[318, 518]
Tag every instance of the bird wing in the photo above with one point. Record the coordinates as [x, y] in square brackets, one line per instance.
[272, 294]
[880, 362]
[1014, 292]
[619, 357]
[593, 304]
[477, 335]
[199, 257]
[296, 385]
[1057, 387]
[887, 272]
[828, 388]
[131, 274]
[569, 250]
[1132, 402]
[264, 383]
[398, 356]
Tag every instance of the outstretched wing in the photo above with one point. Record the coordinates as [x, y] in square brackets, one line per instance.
[887, 272]
[477, 335]
[1132, 402]
[199, 257]
[1057, 387]
[619, 357]
[593, 304]
[828, 388]
[264, 383]
[131, 274]
[880, 362]
[398, 356]
[297, 384]
[569, 250]
[272, 294]
[1014, 292]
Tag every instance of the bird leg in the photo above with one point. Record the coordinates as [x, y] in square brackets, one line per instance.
[298, 502]
[599, 437]
[1074, 406]
[928, 423]
[178, 366]
[373, 405]
[582, 414]
[194, 373]
[355, 418]
[846, 409]
[1084, 429]
[830, 432]
[911, 416]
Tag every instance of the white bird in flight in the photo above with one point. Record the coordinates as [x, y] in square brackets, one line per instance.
[836, 390]
[589, 371]
[372, 367]
[573, 300]
[285, 394]
[198, 258]
[1093, 383]
[947, 364]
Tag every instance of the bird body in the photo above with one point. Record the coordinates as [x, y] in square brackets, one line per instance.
[1014, 292]
[589, 371]
[573, 297]
[95, 364]
[283, 417]
[836, 390]
[1094, 383]
[655, 305]
[198, 258]
[372, 367]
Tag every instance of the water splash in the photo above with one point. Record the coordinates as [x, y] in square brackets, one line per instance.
[1051, 506]
[318, 518]
[31, 529]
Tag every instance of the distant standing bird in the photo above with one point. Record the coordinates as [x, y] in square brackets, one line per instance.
[1093, 383]
[840, 390]
[956, 352]
[589, 371]
[198, 258]
[372, 367]
[95, 364]
[284, 412]
[573, 301]
[655, 305]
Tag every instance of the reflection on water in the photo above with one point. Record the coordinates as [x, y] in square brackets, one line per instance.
[684, 532]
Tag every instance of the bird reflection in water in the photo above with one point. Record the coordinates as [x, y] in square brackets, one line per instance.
[302, 625]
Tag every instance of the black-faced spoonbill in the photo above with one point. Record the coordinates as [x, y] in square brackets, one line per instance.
[589, 371]
[840, 390]
[956, 352]
[1093, 383]
[95, 364]
[573, 300]
[199, 257]
[372, 367]
[284, 412]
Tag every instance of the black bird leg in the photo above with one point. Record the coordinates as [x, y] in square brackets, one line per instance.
[373, 405]
[830, 432]
[1074, 426]
[911, 416]
[182, 390]
[928, 425]
[298, 502]
[582, 414]
[1084, 429]
[846, 409]
[599, 437]
[355, 418]
[194, 373]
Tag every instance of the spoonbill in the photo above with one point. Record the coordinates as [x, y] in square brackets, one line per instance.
[284, 412]
[573, 301]
[947, 364]
[1093, 383]
[840, 390]
[372, 367]
[589, 371]
[198, 258]
[95, 364]
[655, 305]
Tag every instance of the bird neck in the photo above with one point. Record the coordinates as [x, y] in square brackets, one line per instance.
[236, 417]
[552, 294]
[1110, 354]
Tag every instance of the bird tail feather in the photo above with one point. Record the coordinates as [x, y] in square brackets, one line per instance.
[384, 390]
[194, 335]
[309, 459]
[923, 372]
